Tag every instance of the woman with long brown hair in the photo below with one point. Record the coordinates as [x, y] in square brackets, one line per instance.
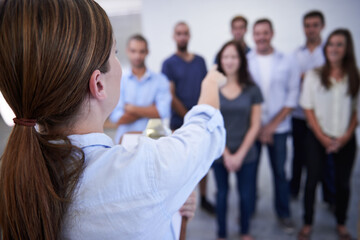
[61, 176]
[329, 101]
[240, 105]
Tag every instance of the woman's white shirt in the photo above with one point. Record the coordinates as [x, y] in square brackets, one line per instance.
[333, 107]
[134, 194]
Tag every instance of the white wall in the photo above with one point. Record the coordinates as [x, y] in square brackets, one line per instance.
[209, 23]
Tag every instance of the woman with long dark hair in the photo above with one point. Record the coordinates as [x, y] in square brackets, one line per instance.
[329, 101]
[240, 105]
[61, 177]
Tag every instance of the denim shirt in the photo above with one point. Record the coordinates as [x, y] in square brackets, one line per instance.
[152, 88]
[134, 194]
[307, 61]
[284, 86]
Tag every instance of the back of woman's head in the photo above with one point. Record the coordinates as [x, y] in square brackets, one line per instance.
[348, 65]
[48, 51]
[243, 75]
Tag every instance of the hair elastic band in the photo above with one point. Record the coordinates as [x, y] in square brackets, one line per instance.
[25, 122]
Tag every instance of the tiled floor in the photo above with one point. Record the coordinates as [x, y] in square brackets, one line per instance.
[264, 225]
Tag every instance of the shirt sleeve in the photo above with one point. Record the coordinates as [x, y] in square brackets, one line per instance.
[306, 96]
[204, 67]
[293, 83]
[256, 97]
[163, 97]
[183, 158]
[166, 70]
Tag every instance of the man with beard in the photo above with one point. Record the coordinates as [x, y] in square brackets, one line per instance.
[277, 76]
[185, 71]
[143, 93]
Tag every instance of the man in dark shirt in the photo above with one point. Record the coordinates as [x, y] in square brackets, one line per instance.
[185, 71]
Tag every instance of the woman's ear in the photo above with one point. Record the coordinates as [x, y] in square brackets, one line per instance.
[96, 85]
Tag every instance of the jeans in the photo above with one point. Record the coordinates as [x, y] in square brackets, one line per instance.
[245, 177]
[316, 159]
[277, 156]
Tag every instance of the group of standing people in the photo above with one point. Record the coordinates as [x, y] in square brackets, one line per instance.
[325, 77]
[62, 177]
[256, 107]
[311, 93]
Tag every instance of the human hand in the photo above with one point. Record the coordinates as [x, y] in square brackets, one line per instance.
[337, 144]
[129, 108]
[327, 142]
[227, 159]
[214, 75]
[233, 162]
[127, 118]
[189, 207]
[266, 135]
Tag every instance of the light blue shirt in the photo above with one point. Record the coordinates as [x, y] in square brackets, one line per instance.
[152, 88]
[284, 86]
[307, 61]
[134, 194]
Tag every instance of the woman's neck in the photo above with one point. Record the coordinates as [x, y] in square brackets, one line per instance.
[90, 118]
[312, 44]
[139, 71]
[336, 72]
[232, 79]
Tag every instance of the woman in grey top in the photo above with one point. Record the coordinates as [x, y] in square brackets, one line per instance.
[240, 105]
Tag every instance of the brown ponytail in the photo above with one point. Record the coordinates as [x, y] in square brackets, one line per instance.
[48, 51]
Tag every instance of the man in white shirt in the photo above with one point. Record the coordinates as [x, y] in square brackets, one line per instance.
[277, 77]
[308, 56]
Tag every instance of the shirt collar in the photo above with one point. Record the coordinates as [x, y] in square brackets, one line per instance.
[91, 139]
[253, 53]
[146, 76]
[321, 46]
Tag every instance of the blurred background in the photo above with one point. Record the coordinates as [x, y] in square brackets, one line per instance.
[209, 22]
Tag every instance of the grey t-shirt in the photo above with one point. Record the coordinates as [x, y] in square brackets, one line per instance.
[237, 113]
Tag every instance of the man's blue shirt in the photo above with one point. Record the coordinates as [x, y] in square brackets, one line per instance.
[152, 88]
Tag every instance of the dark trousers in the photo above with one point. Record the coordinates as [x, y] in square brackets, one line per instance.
[343, 162]
[328, 181]
[299, 134]
[277, 156]
[246, 187]
[299, 131]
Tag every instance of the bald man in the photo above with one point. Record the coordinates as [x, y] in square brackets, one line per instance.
[185, 71]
